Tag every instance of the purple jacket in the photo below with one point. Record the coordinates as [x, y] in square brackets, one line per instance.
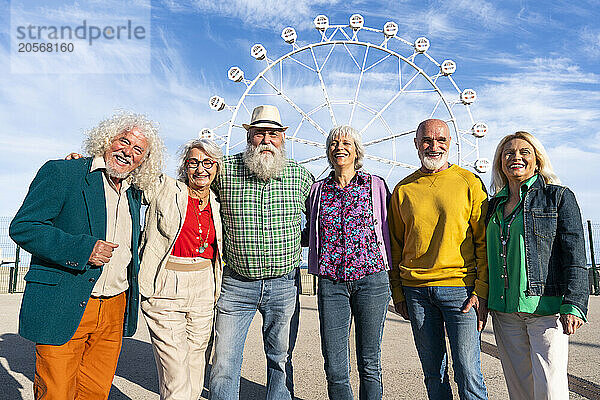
[380, 196]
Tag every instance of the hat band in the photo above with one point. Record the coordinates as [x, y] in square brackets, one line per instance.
[269, 121]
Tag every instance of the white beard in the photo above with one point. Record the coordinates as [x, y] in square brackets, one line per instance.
[111, 171]
[265, 165]
[433, 164]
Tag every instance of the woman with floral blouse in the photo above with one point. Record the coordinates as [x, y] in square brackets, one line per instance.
[348, 244]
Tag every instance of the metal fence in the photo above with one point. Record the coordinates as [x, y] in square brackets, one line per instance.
[13, 271]
[15, 261]
[592, 245]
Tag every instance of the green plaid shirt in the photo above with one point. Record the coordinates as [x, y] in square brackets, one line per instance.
[261, 220]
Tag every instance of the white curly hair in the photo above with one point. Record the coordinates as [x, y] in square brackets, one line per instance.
[100, 138]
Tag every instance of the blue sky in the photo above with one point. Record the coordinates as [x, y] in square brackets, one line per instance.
[533, 64]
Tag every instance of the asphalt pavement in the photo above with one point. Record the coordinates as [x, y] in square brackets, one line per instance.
[403, 379]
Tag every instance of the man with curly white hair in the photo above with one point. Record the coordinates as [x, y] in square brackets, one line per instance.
[80, 221]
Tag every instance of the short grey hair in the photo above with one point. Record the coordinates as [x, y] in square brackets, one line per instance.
[207, 146]
[346, 130]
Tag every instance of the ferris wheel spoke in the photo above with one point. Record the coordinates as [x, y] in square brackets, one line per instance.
[366, 108]
[307, 142]
[335, 30]
[431, 59]
[320, 68]
[420, 91]
[295, 106]
[343, 32]
[324, 89]
[297, 129]
[437, 104]
[323, 172]
[351, 56]
[239, 143]
[385, 107]
[399, 72]
[247, 110]
[362, 73]
[377, 62]
[390, 137]
[470, 115]
[280, 75]
[301, 63]
[389, 162]
[390, 172]
[309, 160]
[454, 84]
[406, 42]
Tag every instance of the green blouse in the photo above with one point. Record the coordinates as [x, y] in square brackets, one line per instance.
[507, 287]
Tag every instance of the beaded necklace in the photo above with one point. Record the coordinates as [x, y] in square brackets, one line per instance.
[504, 242]
[202, 243]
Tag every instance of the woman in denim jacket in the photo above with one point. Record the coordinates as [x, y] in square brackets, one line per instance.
[348, 249]
[538, 281]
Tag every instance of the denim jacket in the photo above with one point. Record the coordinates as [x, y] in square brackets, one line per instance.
[554, 244]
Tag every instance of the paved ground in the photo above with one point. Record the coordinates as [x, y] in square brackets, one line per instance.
[136, 374]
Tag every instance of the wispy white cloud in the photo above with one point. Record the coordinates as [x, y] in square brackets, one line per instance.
[554, 99]
[590, 42]
[273, 14]
[482, 13]
[44, 116]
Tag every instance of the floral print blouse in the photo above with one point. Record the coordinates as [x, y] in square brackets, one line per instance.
[349, 249]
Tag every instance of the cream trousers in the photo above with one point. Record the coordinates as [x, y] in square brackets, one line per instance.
[534, 353]
[180, 320]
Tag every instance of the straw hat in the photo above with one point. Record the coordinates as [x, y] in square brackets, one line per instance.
[265, 117]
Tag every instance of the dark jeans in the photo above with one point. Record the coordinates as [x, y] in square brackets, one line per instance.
[366, 300]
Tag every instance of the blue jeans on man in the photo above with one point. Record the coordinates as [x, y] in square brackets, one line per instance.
[277, 301]
[430, 310]
[366, 300]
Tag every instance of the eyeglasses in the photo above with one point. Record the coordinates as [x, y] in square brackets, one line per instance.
[193, 163]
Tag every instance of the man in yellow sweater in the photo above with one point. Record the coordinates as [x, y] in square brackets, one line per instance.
[439, 265]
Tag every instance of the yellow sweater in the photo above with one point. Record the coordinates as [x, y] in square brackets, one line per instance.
[437, 231]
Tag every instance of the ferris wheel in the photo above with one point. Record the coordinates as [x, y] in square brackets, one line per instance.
[369, 78]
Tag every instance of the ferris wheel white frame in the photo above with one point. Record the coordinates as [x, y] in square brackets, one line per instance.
[344, 36]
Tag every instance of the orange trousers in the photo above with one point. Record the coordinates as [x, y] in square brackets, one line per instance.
[84, 367]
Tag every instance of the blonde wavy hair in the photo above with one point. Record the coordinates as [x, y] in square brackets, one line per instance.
[100, 138]
[544, 167]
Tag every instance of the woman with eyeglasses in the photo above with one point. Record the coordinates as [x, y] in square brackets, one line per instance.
[180, 270]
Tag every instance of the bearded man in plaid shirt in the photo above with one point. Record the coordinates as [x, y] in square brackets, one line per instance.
[262, 195]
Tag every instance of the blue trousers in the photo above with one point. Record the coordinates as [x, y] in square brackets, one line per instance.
[277, 301]
[366, 300]
[430, 310]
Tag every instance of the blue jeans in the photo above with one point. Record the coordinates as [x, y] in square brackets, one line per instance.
[277, 301]
[366, 300]
[430, 309]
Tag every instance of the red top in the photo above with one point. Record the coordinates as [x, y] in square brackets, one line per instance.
[190, 240]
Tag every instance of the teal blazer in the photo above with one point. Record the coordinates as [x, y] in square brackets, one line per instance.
[62, 217]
